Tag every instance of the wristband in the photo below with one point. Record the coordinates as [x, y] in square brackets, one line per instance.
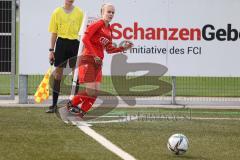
[51, 49]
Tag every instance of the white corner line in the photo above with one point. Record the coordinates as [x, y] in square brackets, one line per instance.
[106, 143]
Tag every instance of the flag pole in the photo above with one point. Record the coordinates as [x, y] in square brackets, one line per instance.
[81, 33]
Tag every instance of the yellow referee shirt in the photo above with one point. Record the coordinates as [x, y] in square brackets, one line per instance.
[66, 25]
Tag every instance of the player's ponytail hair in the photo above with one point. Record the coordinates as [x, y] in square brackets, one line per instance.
[102, 8]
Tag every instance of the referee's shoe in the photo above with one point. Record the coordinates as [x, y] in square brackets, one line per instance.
[52, 109]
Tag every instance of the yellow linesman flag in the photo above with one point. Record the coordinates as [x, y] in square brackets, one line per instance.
[42, 92]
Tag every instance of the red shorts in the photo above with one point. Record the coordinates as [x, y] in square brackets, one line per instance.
[88, 72]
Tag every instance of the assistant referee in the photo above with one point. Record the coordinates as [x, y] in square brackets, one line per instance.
[64, 27]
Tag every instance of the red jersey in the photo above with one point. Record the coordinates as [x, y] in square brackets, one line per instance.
[98, 37]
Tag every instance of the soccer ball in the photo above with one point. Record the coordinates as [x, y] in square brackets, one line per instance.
[178, 144]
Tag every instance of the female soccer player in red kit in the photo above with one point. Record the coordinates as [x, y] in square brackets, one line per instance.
[97, 38]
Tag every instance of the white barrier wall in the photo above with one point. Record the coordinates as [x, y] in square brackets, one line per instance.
[189, 37]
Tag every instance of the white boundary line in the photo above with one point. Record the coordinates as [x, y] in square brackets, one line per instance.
[126, 119]
[83, 126]
[216, 118]
[122, 119]
[144, 118]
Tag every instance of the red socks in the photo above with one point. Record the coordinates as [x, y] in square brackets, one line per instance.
[88, 103]
[86, 100]
[79, 98]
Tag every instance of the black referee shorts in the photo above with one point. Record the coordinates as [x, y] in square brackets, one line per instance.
[66, 50]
